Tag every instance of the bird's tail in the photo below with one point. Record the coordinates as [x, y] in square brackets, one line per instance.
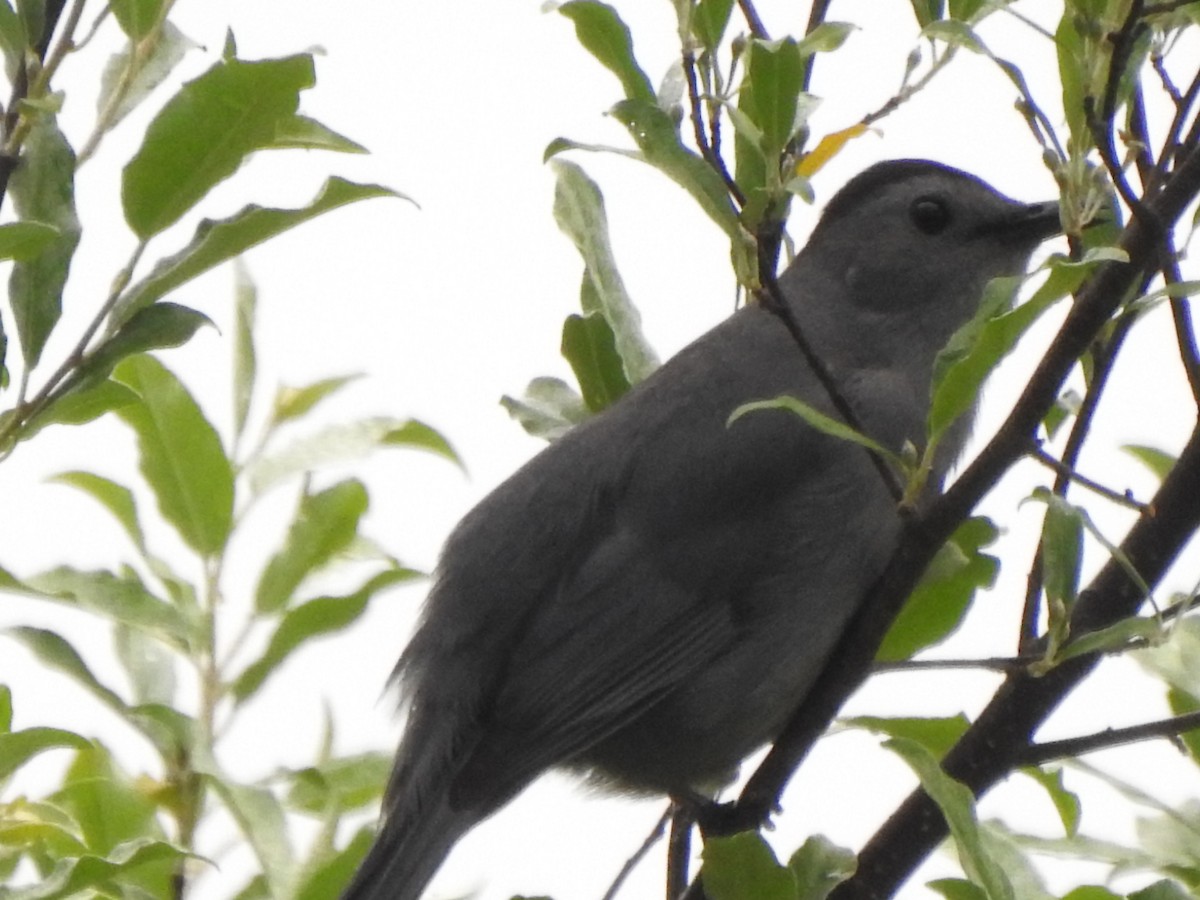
[407, 852]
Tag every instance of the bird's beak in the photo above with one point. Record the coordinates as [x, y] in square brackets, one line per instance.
[1032, 223]
[1029, 224]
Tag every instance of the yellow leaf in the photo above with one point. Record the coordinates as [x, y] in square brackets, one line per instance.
[827, 148]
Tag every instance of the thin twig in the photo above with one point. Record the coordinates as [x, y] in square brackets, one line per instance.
[652, 838]
[1118, 497]
[1037, 754]
[1171, 144]
[679, 849]
[1003, 664]
[64, 376]
[906, 93]
[816, 16]
[711, 156]
[771, 297]
[753, 22]
[1104, 357]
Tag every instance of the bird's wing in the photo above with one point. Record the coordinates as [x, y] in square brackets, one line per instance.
[584, 668]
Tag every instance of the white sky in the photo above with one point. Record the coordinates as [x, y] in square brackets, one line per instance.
[447, 307]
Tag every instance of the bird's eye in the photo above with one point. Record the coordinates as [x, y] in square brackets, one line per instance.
[930, 214]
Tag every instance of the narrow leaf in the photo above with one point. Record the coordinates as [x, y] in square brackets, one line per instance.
[43, 191]
[661, 146]
[137, 18]
[937, 735]
[216, 241]
[303, 133]
[957, 804]
[602, 33]
[324, 525]
[132, 74]
[205, 132]
[57, 653]
[119, 598]
[579, 212]
[941, 599]
[322, 616]
[339, 443]
[827, 148]
[776, 69]
[154, 327]
[293, 403]
[245, 364]
[820, 866]
[589, 346]
[24, 241]
[114, 497]
[743, 867]
[262, 822]
[548, 409]
[819, 421]
[180, 454]
[18, 747]
[709, 21]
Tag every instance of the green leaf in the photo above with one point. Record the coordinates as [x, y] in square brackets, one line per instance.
[108, 806]
[322, 616]
[303, 133]
[348, 783]
[137, 18]
[776, 70]
[1162, 890]
[132, 74]
[12, 40]
[1182, 703]
[819, 421]
[954, 33]
[1176, 661]
[81, 406]
[18, 747]
[325, 524]
[709, 21]
[117, 598]
[941, 599]
[602, 33]
[1157, 461]
[6, 709]
[937, 735]
[293, 403]
[205, 132]
[826, 37]
[548, 409]
[579, 212]
[180, 454]
[154, 327]
[927, 11]
[142, 866]
[958, 806]
[661, 146]
[55, 652]
[589, 346]
[261, 819]
[24, 241]
[43, 191]
[327, 879]
[216, 241]
[958, 889]
[114, 497]
[1066, 803]
[245, 365]
[150, 667]
[969, 10]
[1062, 552]
[743, 867]
[820, 866]
[339, 443]
[978, 347]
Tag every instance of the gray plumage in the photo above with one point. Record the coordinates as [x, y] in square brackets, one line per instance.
[650, 598]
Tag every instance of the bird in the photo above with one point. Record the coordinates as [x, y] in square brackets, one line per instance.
[649, 599]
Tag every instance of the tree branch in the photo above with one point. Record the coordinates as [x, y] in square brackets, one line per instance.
[1037, 754]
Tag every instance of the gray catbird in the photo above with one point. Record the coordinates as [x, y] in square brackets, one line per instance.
[650, 598]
